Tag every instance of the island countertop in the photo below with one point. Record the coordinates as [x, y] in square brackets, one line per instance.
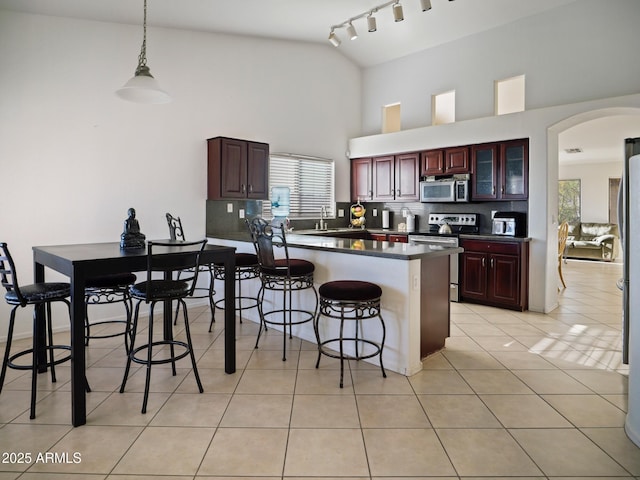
[370, 248]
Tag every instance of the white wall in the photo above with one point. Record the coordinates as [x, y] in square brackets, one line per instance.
[578, 52]
[74, 157]
[594, 187]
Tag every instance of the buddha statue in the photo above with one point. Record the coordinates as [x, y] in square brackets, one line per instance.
[132, 238]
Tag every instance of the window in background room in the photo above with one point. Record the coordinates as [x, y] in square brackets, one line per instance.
[614, 188]
[391, 118]
[509, 95]
[569, 201]
[310, 181]
[443, 108]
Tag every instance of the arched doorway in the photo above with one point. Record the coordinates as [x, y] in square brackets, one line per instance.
[632, 424]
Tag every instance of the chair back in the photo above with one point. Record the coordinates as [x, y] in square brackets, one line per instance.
[163, 256]
[175, 227]
[8, 275]
[563, 233]
[265, 236]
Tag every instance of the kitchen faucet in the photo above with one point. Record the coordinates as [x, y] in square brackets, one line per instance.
[323, 215]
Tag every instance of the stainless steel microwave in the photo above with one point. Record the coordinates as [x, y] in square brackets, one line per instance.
[450, 190]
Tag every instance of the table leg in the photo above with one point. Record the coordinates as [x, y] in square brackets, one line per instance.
[78, 360]
[230, 314]
[38, 313]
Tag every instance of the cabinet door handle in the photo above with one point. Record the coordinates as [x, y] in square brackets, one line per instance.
[243, 188]
[502, 189]
[250, 188]
[491, 263]
[483, 263]
[493, 191]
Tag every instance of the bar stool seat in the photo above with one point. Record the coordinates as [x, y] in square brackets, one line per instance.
[349, 300]
[107, 289]
[247, 268]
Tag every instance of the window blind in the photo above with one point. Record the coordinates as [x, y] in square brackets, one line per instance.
[310, 181]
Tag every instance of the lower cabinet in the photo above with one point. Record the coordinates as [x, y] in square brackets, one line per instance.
[391, 237]
[495, 273]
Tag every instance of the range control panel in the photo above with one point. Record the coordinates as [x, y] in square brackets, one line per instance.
[463, 219]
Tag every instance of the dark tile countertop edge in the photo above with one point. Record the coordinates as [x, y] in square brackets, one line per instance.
[369, 248]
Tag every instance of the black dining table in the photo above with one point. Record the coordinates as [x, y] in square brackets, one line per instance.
[82, 261]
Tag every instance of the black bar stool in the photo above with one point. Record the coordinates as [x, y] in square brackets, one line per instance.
[349, 300]
[108, 289]
[177, 233]
[41, 296]
[285, 275]
[154, 290]
[247, 268]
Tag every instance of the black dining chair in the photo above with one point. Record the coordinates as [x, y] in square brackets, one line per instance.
[283, 274]
[41, 296]
[154, 290]
[177, 233]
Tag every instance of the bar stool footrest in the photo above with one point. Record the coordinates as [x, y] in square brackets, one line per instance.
[48, 364]
[175, 343]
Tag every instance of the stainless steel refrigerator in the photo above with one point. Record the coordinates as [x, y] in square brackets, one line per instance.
[629, 226]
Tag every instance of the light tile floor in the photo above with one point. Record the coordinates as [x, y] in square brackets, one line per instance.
[513, 395]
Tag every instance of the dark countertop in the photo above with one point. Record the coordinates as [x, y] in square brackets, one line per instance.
[370, 248]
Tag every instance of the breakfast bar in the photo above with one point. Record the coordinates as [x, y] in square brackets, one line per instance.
[415, 288]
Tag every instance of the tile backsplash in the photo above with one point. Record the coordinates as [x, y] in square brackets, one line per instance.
[224, 215]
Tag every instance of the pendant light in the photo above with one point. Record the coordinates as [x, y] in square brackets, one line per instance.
[142, 87]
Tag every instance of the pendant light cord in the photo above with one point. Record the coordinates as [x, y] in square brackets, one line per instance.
[142, 59]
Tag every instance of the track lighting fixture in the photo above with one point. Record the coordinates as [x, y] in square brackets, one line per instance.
[351, 31]
[371, 23]
[398, 16]
[333, 38]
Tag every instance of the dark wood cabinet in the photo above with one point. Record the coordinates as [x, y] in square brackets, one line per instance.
[445, 162]
[500, 171]
[432, 162]
[456, 160]
[237, 169]
[361, 179]
[386, 178]
[398, 238]
[495, 273]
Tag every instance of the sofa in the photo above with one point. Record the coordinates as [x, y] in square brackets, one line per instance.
[597, 241]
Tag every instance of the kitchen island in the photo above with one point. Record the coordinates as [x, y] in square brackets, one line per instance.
[415, 289]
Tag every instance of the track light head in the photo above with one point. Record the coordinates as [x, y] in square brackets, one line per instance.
[425, 4]
[333, 38]
[351, 31]
[398, 15]
[371, 23]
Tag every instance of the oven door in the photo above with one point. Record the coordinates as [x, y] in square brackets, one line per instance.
[444, 241]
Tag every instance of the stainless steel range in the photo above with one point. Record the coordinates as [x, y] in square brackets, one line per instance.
[448, 237]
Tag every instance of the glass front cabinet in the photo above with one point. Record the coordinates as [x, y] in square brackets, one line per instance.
[500, 170]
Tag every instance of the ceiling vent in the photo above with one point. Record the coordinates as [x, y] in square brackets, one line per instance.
[573, 150]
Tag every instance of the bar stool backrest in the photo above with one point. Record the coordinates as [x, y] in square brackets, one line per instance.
[8, 275]
[175, 227]
[265, 237]
[160, 261]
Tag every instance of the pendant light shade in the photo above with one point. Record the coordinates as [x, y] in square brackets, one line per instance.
[371, 23]
[351, 31]
[142, 87]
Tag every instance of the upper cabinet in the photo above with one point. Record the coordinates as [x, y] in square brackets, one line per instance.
[500, 171]
[237, 169]
[386, 178]
[445, 162]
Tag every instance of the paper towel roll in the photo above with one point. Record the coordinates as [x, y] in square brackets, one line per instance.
[385, 218]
